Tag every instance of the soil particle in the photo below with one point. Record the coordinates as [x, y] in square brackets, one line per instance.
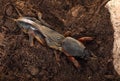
[33, 70]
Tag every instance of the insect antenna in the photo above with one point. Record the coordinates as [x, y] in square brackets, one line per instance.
[18, 12]
[12, 18]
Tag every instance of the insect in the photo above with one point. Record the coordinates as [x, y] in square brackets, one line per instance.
[40, 30]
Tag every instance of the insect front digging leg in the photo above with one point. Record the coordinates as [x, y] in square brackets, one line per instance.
[72, 59]
[84, 39]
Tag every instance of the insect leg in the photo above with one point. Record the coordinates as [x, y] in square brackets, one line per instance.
[72, 59]
[84, 39]
[31, 36]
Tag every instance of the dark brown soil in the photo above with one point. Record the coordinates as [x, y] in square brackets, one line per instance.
[21, 62]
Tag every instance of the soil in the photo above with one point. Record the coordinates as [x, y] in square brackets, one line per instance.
[76, 18]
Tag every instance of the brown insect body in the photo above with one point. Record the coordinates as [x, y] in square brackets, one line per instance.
[41, 31]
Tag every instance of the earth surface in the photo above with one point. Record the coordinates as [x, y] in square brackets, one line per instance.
[76, 18]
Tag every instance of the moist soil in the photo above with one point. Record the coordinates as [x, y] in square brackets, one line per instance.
[76, 18]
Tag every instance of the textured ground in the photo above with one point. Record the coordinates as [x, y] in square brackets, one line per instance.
[113, 7]
[20, 61]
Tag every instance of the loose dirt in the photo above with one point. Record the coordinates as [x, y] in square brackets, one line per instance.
[21, 62]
